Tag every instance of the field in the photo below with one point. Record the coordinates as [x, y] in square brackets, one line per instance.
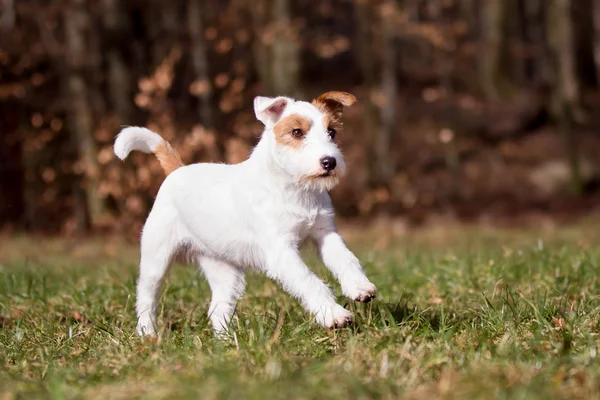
[461, 313]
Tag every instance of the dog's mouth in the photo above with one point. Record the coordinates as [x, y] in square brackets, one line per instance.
[327, 178]
[322, 180]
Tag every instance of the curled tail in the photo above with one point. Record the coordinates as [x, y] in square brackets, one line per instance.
[144, 140]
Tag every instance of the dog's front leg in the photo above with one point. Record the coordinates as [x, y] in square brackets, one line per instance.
[342, 263]
[287, 267]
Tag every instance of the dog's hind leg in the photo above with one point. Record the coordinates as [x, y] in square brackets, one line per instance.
[227, 284]
[160, 240]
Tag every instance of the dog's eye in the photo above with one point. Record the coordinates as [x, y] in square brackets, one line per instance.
[297, 133]
[331, 133]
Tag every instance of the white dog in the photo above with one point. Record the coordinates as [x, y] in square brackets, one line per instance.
[255, 214]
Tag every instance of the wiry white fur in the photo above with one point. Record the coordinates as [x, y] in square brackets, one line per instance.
[255, 214]
[136, 138]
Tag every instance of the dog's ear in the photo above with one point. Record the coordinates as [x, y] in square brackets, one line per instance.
[268, 110]
[334, 102]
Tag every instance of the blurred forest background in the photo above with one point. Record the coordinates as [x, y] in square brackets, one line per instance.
[467, 108]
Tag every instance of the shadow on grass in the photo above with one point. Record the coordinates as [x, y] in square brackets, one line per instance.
[402, 313]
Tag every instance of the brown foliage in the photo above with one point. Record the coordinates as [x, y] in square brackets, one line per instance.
[452, 118]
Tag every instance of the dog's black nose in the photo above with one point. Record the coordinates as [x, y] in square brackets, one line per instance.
[328, 163]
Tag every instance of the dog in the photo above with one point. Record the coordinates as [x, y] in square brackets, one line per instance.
[253, 215]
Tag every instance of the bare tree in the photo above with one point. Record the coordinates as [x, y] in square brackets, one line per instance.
[389, 92]
[76, 22]
[286, 61]
[375, 51]
[199, 54]
[566, 97]
[30, 165]
[493, 16]
[119, 79]
[164, 23]
[531, 12]
[583, 38]
[276, 50]
[365, 18]
[8, 16]
[596, 20]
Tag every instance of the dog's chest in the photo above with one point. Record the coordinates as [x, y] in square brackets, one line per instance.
[301, 220]
[290, 215]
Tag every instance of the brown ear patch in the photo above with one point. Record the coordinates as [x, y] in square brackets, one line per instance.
[334, 102]
[283, 130]
[341, 98]
[331, 104]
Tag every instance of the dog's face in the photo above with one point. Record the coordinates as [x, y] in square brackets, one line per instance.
[304, 136]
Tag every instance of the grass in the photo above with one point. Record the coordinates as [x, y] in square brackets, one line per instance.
[460, 314]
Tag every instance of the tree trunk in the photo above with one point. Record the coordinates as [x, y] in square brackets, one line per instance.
[276, 50]
[30, 161]
[12, 177]
[533, 36]
[560, 40]
[493, 52]
[469, 10]
[7, 16]
[164, 24]
[77, 22]
[200, 61]
[286, 59]
[30, 194]
[260, 46]
[119, 78]
[596, 18]
[565, 98]
[583, 13]
[389, 87]
[365, 57]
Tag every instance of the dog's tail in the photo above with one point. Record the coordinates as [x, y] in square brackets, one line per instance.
[144, 140]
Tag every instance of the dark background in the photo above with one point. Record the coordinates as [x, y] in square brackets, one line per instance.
[468, 109]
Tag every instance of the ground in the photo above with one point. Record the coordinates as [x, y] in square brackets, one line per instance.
[460, 313]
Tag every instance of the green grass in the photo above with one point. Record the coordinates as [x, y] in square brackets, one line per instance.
[469, 314]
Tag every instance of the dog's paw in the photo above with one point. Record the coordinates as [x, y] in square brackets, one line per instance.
[361, 290]
[334, 317]
[146, 327]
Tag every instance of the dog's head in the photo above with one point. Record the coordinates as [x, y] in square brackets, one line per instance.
[303, 136]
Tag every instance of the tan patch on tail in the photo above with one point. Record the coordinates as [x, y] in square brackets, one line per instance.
[168, 157]
[284, 128]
